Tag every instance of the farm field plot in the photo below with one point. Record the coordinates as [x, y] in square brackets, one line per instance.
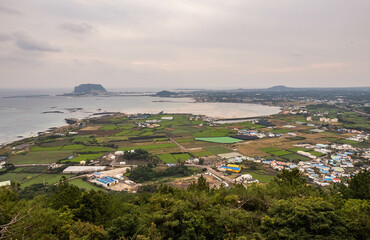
[84, 157]
[40, 157]
[269, 149]
[202, 153]
[295, 157]
[148, 147]
[182, 156]
[279, 153]
[73, 147]
[211, 133]
[185, 140]
[96, 149]
[219, 139]
[218, 150]
[18, 177]
[31, 169]
[83, 184]
[317, 154]
[44, 178]
[299, 149]
[55, 148]
[167, 158]
[262, 178]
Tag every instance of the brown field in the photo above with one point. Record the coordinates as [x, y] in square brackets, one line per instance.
[92, 128]
[100, 133]
[251, 148]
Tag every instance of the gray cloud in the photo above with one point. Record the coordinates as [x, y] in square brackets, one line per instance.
[187, 43]
[5, 37]
[9, 10]
[29, 43]
[77, 28]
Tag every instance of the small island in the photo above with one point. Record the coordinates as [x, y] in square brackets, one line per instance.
[88, 89]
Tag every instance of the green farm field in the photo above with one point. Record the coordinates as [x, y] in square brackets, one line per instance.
[40, 157]
[218, 150]
[182, 156]
[167, 158]
[85, 185]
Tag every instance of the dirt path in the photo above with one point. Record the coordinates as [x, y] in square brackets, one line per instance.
[178, 144]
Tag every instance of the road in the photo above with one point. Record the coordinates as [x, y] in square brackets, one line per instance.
[178, 144]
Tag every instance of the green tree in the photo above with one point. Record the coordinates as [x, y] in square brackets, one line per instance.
[358, 186]
[304, 218]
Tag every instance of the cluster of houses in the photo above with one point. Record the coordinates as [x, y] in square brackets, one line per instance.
[325, 119]
[359, 137]
[149, 123]
[321, 171]
[256, 134]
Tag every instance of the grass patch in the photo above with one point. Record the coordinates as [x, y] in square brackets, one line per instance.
[295, 157]
[85, 185]
[17, 177]
[202, 154]
[35, 149]
[73, 147]
[317, 154]
[44, 178]
[182, 156]
[262, 178]
[268, 149]
[348, 141]
[218, 150]
[279, 153]
[167, 158]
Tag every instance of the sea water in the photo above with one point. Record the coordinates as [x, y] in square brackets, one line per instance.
[22, 113]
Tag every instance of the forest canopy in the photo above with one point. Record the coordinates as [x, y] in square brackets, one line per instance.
[286, 208]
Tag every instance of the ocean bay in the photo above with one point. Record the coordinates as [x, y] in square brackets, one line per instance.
[26, 116]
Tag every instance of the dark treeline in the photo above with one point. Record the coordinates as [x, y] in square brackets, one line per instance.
[286, 208]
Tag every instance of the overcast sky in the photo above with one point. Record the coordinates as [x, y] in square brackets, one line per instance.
[184, 44]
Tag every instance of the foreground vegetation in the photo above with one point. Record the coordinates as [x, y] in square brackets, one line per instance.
[286, 208]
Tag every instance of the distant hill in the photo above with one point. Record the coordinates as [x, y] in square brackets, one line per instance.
[165, 94]
[90, 89]
[280, 88]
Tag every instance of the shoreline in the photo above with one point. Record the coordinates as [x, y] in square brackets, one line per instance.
[55, 129]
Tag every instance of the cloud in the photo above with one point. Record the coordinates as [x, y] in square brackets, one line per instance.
[5, 37]
[29, 43]
[77, 28]
[311, 67]
[9, 10]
